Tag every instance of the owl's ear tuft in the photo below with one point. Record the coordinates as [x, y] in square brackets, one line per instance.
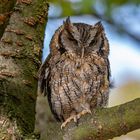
[99, 27]
[71, 29]
[67, 24]
[68, 20]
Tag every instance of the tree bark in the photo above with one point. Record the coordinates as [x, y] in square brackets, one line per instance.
[20, 57]
[6, 7]
[103, 124]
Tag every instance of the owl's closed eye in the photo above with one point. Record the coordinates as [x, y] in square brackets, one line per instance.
[76, 37]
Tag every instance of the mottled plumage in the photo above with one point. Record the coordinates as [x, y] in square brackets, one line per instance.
[75, 75]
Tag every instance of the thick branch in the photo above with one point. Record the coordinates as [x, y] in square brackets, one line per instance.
[103, 124]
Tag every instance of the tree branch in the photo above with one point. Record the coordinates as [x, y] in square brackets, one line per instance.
[103, 124]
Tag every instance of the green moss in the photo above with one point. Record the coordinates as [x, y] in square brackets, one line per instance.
[20, 106]
[81, 132]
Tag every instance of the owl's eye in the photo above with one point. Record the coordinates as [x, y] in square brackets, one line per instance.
[93, 42]
[62, 50]
[72, 40]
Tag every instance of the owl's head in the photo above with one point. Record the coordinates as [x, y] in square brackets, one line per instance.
[83, 39]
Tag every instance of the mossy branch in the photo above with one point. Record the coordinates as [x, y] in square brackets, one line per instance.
[103, 124]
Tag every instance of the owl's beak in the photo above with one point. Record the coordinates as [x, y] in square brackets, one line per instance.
[82, 53]
[79, 63]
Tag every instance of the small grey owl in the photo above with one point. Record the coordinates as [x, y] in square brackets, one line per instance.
[75, 75]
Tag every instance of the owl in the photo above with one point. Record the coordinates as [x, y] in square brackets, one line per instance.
[76, 74]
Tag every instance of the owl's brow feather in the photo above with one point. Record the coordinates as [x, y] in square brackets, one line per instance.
[84, 32]
[85, 35]
[101, 45]
[61, 49]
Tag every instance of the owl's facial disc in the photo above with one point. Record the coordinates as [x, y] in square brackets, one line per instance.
[82, 39]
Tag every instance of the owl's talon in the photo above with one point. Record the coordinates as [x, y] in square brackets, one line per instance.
[74, 118]
[83, 113]
[63, 125]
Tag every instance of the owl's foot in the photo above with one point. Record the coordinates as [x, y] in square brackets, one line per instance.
[85, 111]
[73, 117]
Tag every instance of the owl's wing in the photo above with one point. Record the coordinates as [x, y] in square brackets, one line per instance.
[43, 76]
[111, 84]
[108, 68]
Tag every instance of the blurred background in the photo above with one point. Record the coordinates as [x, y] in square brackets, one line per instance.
[121, 20]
